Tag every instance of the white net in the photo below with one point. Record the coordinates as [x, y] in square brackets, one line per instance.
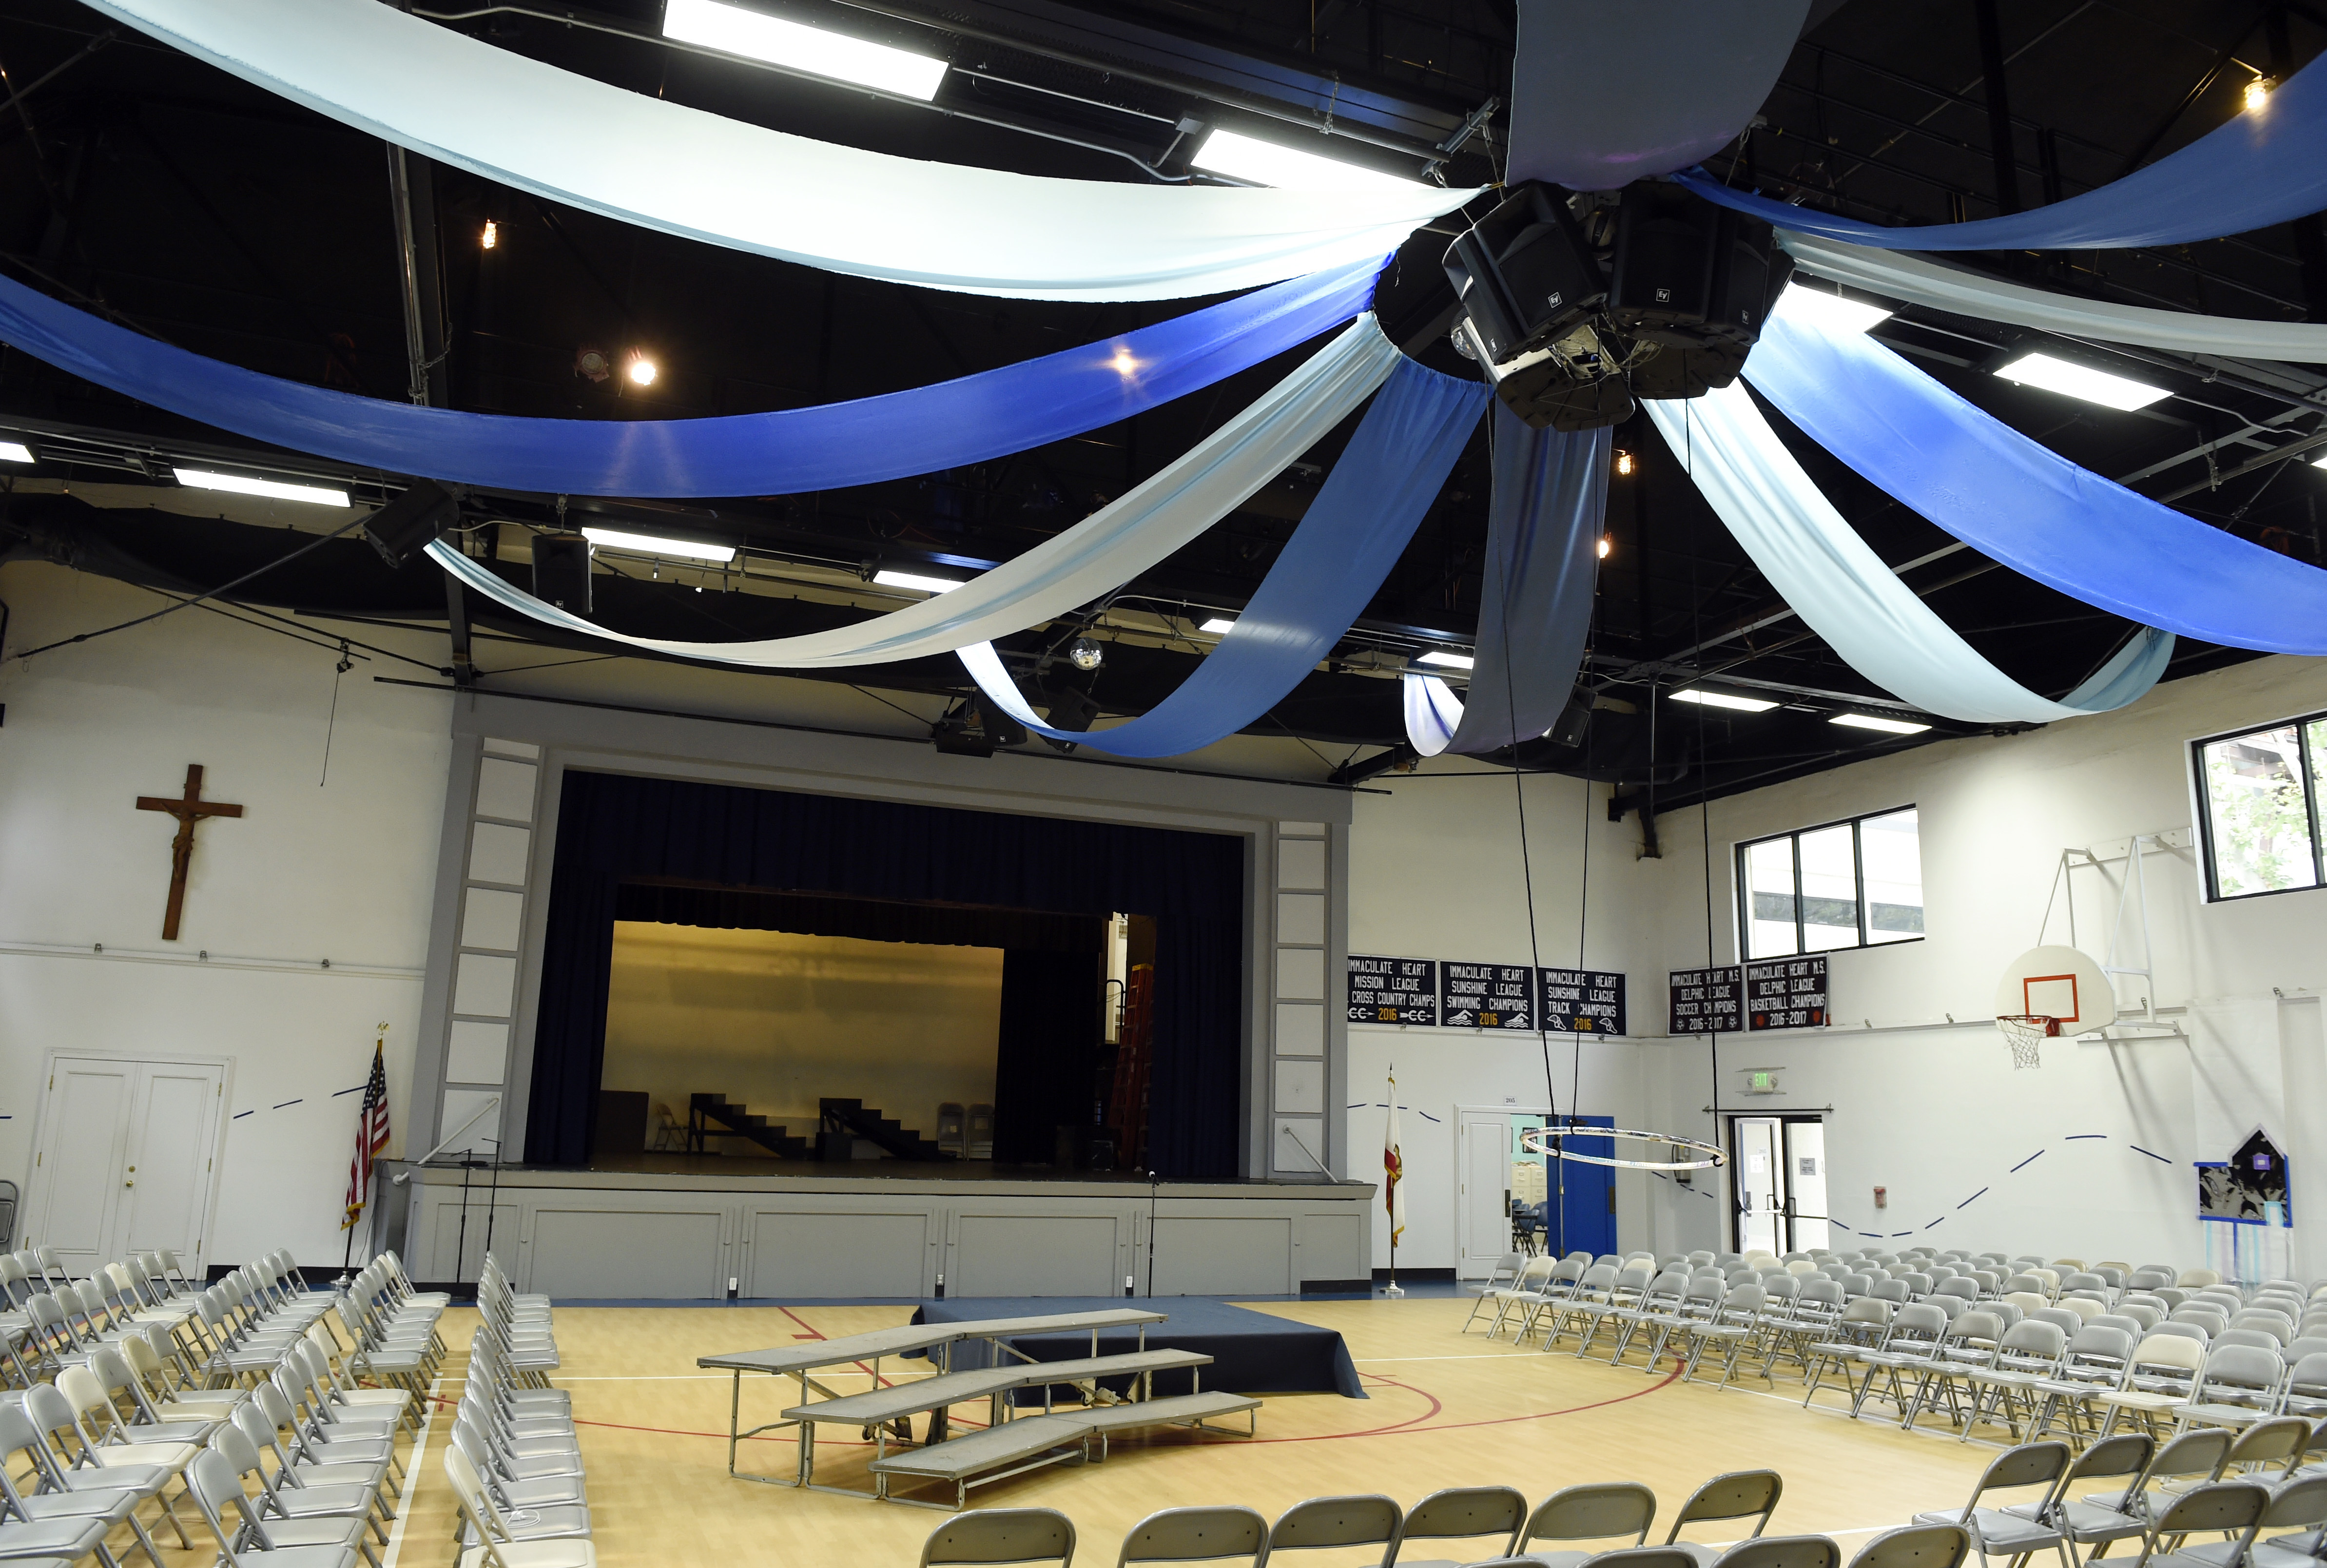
[2025, 1033]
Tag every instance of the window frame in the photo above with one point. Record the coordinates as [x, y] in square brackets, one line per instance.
[1792, 837]
[2201, 804]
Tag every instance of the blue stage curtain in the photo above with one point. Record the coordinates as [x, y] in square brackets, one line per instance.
[1544, 523]
[946, 425]
[1365, 513]
[612, 827]
[2262, 167]
[2018, 502]
[1043, 1060]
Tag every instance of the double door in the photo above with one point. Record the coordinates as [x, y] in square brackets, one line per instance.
[126, 1159]
[1778, 1182]
[1498, 1179]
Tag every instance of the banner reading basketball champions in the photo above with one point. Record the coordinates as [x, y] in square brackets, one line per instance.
[1774, 993]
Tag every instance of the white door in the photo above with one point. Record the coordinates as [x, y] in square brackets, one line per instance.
[1484, 1204]
[1757, 1183]
[125, 1159]
[1806, 1184]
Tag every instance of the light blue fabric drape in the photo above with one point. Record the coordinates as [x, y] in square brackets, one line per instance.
[1104, 551]
[1544, 523]
[2031, 508]
[2264, 166]
[645, 160]
[1602, 94]
[1904, 276]
[967, 420]
[1842, 589]
[1354, 530]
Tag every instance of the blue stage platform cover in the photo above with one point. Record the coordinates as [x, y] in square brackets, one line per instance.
[1252, 1353]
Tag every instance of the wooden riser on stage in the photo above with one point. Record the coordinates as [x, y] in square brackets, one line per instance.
[684, 1227]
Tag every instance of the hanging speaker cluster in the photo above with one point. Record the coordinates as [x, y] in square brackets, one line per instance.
[1576, 306]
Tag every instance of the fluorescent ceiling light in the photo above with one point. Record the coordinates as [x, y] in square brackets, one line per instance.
[1869, 722]
[1452, 660]
[1248, 158]
[273, 489]
[1722, 700]
[2037, 370]
[889, 579]
[756, 35]
[1832, 312]
[14, 452]
[650, 544]
[1217, 624]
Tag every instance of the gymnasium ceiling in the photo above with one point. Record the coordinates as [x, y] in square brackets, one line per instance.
[206, 212]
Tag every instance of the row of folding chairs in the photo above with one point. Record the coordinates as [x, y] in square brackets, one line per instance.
[514, 1457]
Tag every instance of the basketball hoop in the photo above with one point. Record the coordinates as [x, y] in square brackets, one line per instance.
[2026, 1032]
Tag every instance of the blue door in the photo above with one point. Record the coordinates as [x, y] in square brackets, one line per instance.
[1584, 1220]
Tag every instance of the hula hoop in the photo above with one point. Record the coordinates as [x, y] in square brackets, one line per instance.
[1534, 1139]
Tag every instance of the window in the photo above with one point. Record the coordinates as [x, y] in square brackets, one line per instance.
[2261, 816]
[1848, 884]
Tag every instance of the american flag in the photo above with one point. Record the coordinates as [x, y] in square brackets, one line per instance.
[371, 1133]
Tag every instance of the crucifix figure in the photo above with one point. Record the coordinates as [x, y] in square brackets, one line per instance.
[188, 810]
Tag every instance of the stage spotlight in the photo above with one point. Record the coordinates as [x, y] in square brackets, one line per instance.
[2074, 380]
[1624, 464]
[403, 527]
[2257, 92]
[1259, 162]
[591, 364]
[1219, 626]
[889, 579]
[1449, 660]
[641, 371]
[756, 35]
[491, 236]
[1870, 722]
[1607, 545]
[1085, 653]
[273, 490]
[17, 451]
[1722, 700]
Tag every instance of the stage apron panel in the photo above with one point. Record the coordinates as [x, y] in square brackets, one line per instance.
[799, 1256]
[605, 1253]
[1035, 1255]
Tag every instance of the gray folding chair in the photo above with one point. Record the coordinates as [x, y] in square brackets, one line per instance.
[1783, 1551]
[1370, 1520]
[2235, 1509]
[1598, 1511]
[2298, 1506]
[996, 1535]
[1737, 1495]
[1916, 1546]
[1996, 1532]
[2087, 1521]
[1195, 1535]
[1462, 1513]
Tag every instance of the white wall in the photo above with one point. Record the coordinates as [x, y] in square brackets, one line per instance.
[314, 870]
[1435, 873]
[1937, 1113]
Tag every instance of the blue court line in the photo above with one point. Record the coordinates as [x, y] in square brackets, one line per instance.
[2032, 1159]
[2074, 1137]
[357, 1090]
[2137, 1149]
[1935, 1222]
[1981, 1193]
[290, 1102]
[239, 1115]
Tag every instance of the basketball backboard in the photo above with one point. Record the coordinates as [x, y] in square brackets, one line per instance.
[2062, 983]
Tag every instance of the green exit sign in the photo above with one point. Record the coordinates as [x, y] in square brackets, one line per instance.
[1761, 1083]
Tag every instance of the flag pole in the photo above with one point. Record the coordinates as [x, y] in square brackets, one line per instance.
[1394, 1169]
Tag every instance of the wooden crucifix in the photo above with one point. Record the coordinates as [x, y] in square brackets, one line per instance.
[188, 809]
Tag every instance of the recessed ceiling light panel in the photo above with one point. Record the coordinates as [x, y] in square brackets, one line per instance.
[1219, 625]
[2074, 380]
[1875, 722]
[756, 35]
[889, 579]
[1451, 660]
[1830, 312]
[1248, 158]
[654, 545]
[16, 452]
[272, 488]
[1721, 700]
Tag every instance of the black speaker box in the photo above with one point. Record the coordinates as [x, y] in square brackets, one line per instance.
[561, 571]
[1523, 274]
[402, 528]
[1667, 238]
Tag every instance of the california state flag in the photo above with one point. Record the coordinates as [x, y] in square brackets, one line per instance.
[1393, 1169]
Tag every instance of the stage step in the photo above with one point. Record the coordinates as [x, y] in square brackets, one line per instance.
[901, 1142]
[738, 1120]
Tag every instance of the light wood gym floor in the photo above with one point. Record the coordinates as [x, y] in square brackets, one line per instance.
[1446, 1409]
